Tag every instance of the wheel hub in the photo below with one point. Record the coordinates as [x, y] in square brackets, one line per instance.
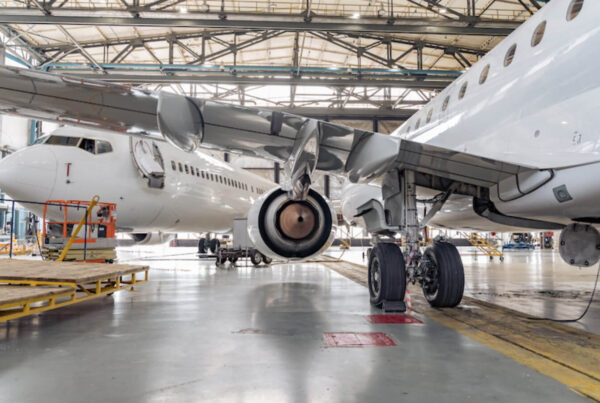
[429, 277]
[375, 278]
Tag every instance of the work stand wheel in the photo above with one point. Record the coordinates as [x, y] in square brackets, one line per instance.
[387, 276]
[233, 259]
[221, 259]
[256, 257]
[444, 281]
[267, 260]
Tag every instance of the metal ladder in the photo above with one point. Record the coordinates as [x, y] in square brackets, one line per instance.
[482, 244]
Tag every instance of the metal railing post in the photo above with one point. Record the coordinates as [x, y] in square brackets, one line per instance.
[85, 229]
[12, 228]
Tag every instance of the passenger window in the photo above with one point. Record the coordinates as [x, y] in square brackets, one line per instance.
[180, 167]
[510, 55]
[212, 178]
[173, 166]
[538, 35]
[252, 188]
[463, 90]
[187, 169]
[429, 115]
[446, 102]
[484, 74]
[103, 147]
[88, 145]
[418, 124]
[574, 9]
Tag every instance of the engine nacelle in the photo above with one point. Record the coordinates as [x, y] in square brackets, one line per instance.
[282, 228]
[151, 238]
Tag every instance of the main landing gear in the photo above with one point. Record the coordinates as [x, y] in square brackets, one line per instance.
[438, 269]
[440, 273]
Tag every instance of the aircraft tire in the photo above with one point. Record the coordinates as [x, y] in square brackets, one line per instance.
[387, 274]
[202, 245]
[214, 245]
[446, 269]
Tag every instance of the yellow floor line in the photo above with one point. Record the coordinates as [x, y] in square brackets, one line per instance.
[568, 355]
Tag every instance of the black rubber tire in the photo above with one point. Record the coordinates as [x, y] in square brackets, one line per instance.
[233, 259]
[202, 245]
[387, 274]
[256, 257]
[451, 275]
[267, 260]
[214, 245]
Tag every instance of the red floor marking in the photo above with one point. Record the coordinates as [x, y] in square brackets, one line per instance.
[392, 319]
[354, 339]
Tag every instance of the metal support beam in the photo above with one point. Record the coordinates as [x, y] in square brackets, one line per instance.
[98, 17]
[266, 79]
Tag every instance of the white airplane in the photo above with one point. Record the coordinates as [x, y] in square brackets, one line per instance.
[513, 142]
[159, 189]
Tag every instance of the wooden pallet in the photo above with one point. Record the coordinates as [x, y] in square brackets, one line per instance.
[37, 272]
[32, 286]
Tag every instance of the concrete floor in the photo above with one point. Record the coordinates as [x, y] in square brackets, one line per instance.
[536, 282]
[195, 333]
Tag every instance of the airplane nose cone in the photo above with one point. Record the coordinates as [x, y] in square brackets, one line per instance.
[29, 174]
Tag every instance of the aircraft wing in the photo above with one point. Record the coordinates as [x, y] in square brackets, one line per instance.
[189, 123]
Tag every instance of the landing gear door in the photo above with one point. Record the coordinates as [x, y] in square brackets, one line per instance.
[149, 161]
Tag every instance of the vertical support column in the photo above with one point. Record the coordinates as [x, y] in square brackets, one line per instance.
[326, 187]
[2, 62]
[276, 177]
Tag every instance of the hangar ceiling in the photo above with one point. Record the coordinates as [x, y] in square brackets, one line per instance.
[382, 59]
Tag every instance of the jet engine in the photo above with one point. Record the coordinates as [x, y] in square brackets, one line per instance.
[282, 228]
[151, 238]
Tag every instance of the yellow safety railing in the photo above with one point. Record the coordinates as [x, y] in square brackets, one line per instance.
[93, 203]
[482, 244]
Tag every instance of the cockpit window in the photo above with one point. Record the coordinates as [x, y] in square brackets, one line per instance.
[40, 140]
[88, 145]
[103, 147]
[63, 141]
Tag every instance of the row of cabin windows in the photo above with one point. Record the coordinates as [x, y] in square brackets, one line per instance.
[190, 170]
[573, 11]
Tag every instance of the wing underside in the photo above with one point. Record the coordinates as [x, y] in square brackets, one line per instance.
[359, 154]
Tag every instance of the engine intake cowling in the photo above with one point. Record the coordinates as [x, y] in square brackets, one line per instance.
[283, 228]
[151, 238]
